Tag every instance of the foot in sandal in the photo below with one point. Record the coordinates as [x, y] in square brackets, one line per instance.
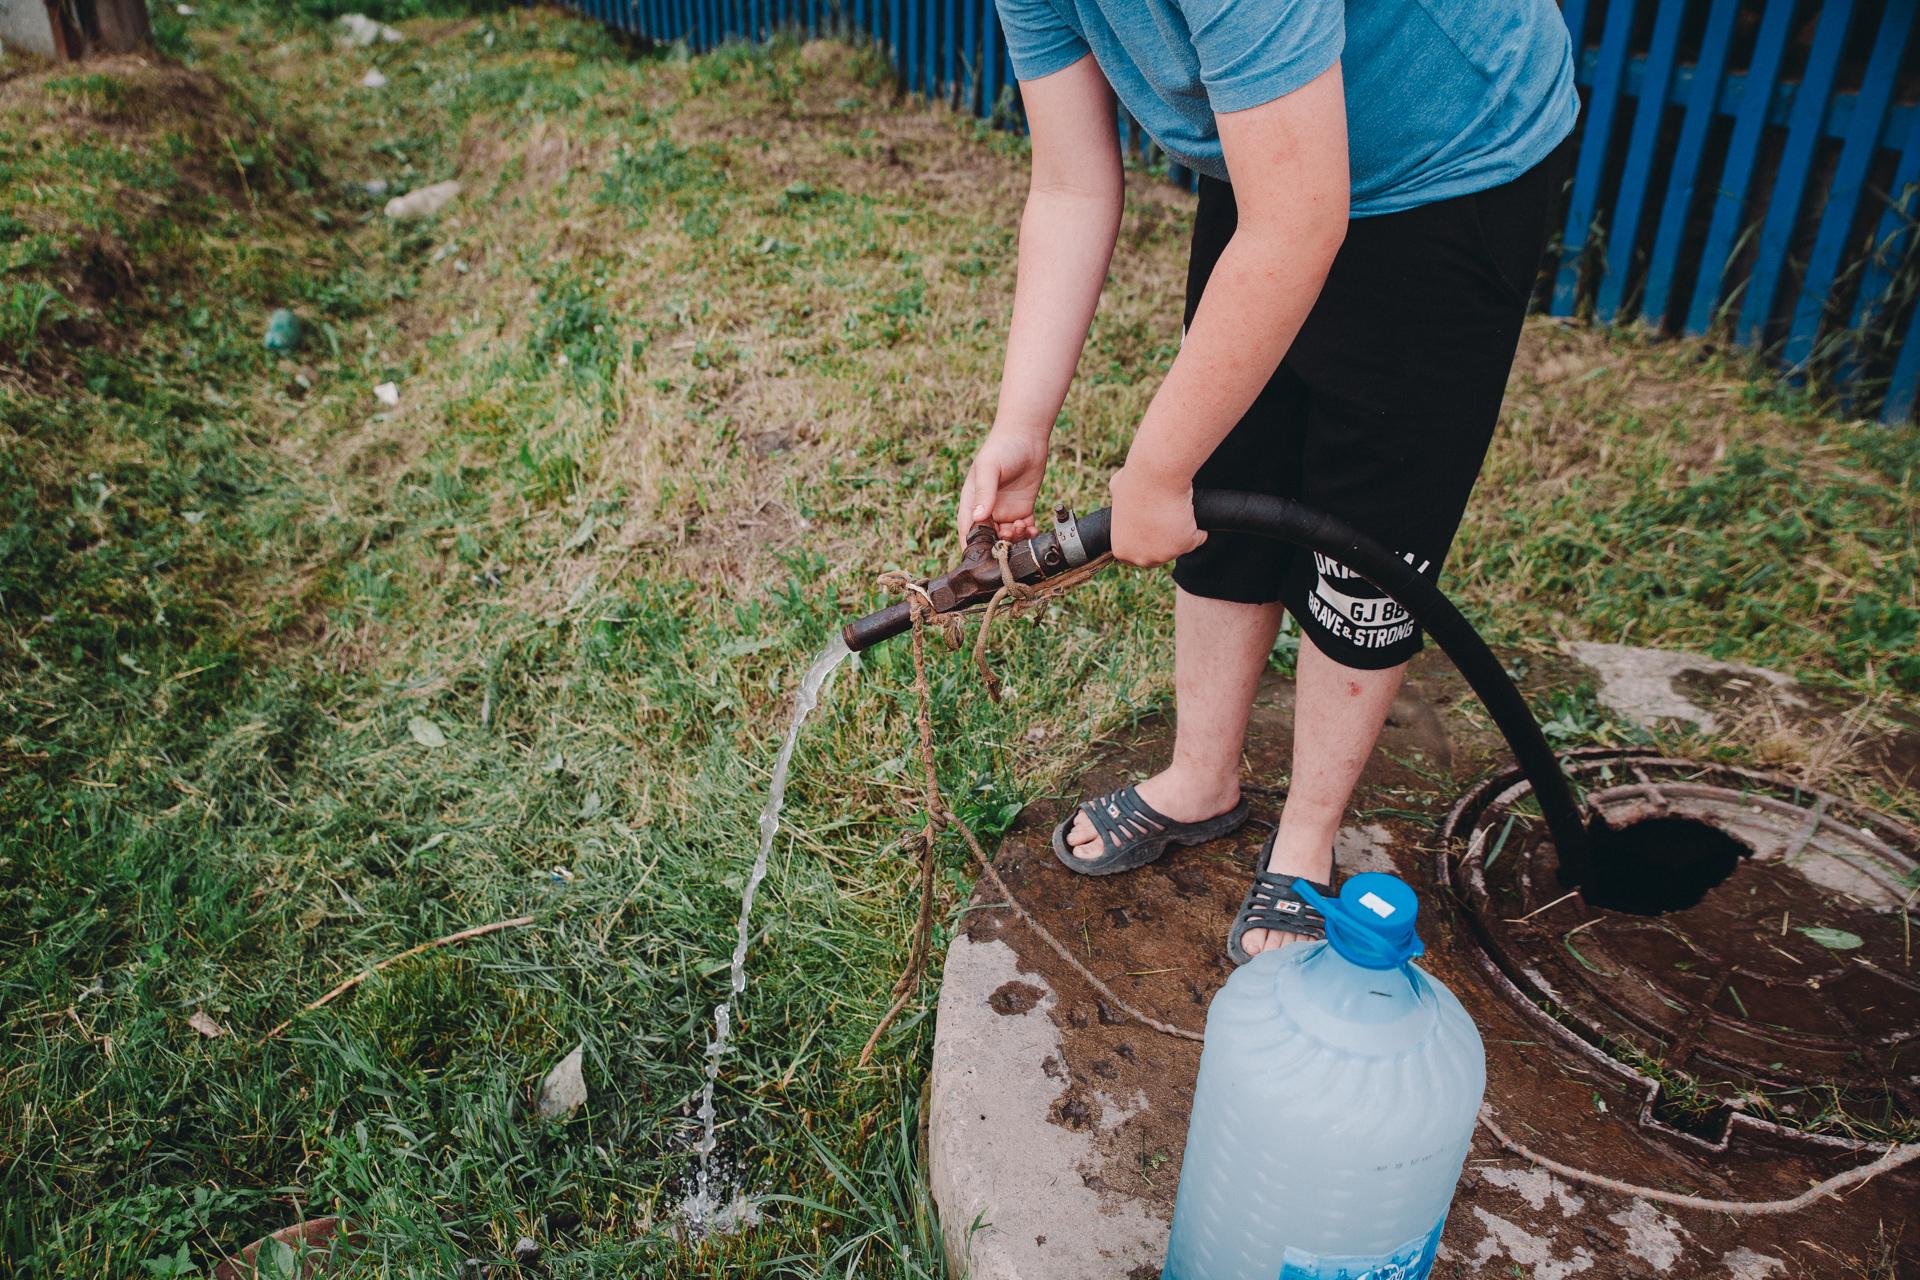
[1274, 913]
[1137, 824]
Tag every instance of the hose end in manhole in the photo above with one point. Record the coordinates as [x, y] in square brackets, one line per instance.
[1741, 946]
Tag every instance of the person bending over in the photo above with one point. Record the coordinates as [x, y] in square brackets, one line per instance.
[1374, 183]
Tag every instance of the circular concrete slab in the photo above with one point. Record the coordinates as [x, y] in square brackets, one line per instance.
[1056, 1123]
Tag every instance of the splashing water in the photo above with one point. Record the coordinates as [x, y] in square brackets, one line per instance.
[705, 1210]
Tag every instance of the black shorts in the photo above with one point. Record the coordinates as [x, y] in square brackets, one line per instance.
[1382, 410]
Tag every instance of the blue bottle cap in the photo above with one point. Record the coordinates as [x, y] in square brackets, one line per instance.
[1371, 922]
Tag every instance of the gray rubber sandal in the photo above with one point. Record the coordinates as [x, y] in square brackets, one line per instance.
[1134, 833]
[1273, 903]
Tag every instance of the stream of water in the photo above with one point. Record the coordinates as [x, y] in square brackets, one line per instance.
[706, 1210]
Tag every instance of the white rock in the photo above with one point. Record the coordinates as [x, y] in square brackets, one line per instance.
[388, 394]
[423, 203]
[565, 1087]
[1640, 683]
[362, 31]
[373, 80]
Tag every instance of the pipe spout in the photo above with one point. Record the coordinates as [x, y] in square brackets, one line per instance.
[1068, 545]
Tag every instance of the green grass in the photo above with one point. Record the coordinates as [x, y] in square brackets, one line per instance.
[701, 349]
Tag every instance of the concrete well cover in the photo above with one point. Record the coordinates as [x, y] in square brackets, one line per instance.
[1056, 1123]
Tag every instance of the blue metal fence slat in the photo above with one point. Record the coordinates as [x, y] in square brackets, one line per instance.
[1890, 242]
[1589, 170]
[951, 38]
[1731, 200]
[1574, 14]
[970, 57]
[913, 67]
[1849, 179]
[1664, 259]
[1896, 224]
[930, 47]
[1905, 387]
[1635, 178]
[1790, 181]
[990, 46]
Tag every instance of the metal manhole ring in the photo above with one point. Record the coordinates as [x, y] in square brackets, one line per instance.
[1757, 997]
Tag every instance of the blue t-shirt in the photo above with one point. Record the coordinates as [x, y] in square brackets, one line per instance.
[1444, 97]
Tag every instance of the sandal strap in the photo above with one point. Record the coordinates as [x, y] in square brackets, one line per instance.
[1122, 816]
[1273, 903]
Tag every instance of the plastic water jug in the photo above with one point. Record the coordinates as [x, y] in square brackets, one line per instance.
[1336, 1101]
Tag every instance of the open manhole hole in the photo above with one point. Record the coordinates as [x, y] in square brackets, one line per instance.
[1744, 946]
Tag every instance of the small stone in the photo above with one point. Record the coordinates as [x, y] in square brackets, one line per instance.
[283, 332]
[361, 31]
[565, 1089]
[423, 203]
[373, 80]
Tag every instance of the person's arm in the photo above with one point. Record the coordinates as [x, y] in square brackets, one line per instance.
[1066, 241]
[1288, 159]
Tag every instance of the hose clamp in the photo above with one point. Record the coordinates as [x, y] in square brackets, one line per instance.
[1066, 532]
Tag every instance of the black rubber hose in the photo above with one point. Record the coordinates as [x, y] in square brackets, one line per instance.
[1288, 521]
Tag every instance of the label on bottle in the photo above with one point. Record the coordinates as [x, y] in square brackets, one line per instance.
[1411, 1261]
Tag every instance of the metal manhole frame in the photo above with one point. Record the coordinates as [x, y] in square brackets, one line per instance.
[1589, 1040]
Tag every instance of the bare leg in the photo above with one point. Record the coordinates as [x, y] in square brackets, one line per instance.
[1219, 650]
[1338, 713]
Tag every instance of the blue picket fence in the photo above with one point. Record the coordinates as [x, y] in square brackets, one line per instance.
[1747, 169]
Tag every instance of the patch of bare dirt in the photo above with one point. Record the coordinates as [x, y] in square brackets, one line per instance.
[1156, 937]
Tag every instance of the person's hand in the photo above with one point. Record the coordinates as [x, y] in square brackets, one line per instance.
[1003, 482]
[1152, 517]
